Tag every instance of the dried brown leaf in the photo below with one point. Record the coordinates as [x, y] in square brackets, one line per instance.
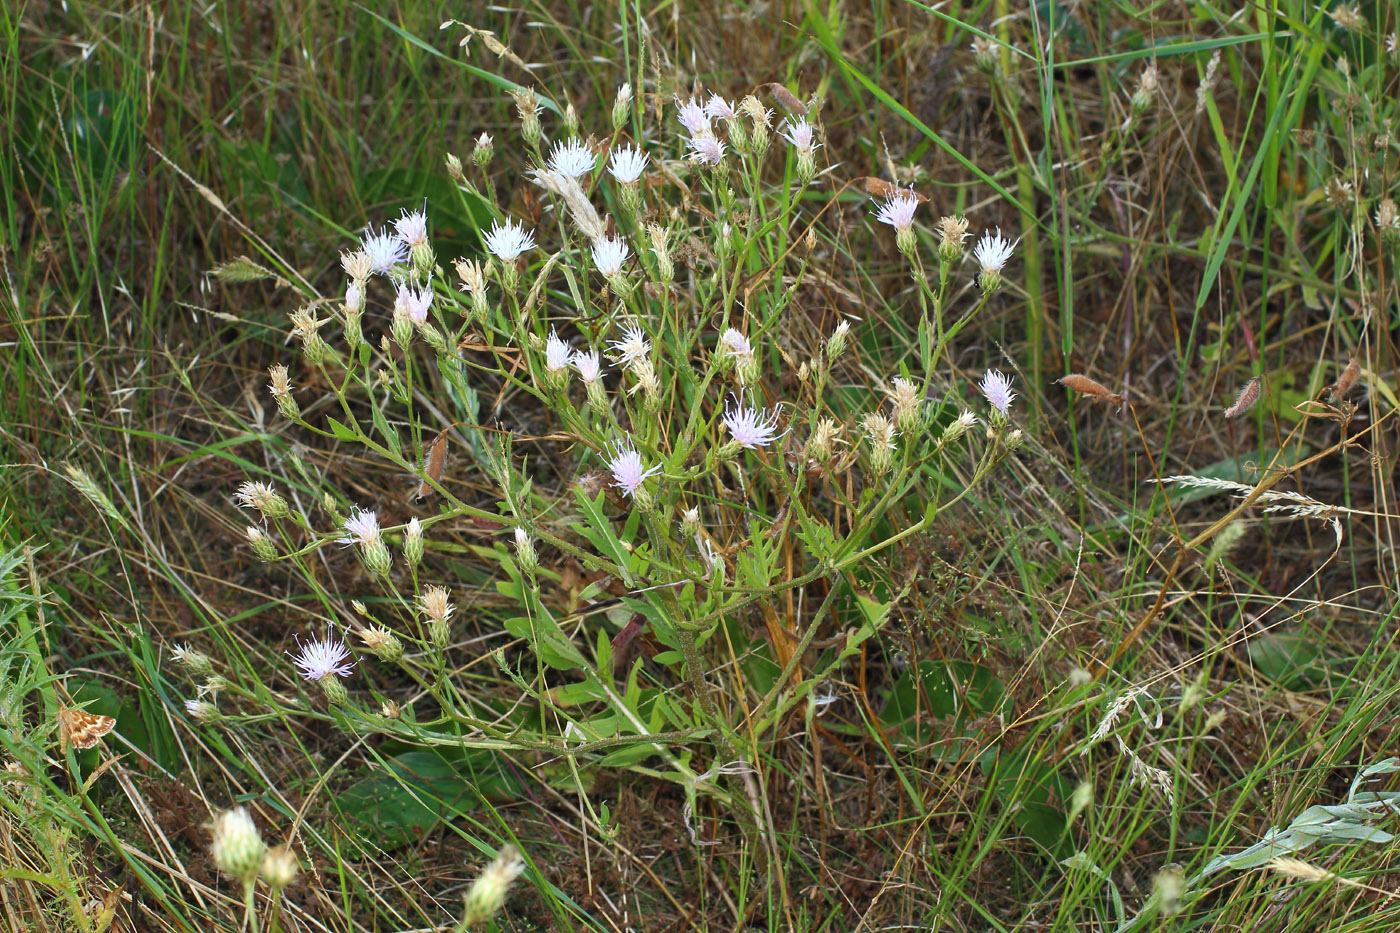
[433, 465]
[1086, 386]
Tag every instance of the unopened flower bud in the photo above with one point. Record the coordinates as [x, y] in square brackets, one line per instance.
[237, 847]
[402, 328]
[279, 868]
[665, 269]
[690, 523]
[423, 259]
[483, 151]
[440, 634]
[570, 120]
[413, 543]
[262, 544]
[1015, 439]
[984, 56]
[622, 107]
[488, 893]
[525, 554]
[454, 167]
[836, 343]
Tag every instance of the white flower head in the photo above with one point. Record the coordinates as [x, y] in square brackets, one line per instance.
[634, 344]
[556, 352]
[898, 210]
[627, 469]
[737, 344]
[718, 108]
[354, 297]
[415, 302]
[507, 241]
[996, 388]
[385, 250]
[413, 228]
[609, 253]
[572, 158]
[589, 364]
[707, 150]
[322, 658]
[693, 118]
[799, 134]
[363, 526]
[993, 251]
[624, 93]
[627, 164]
[748, 426]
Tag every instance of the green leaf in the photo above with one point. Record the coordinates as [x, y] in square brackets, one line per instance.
[392, 809]
[341, 432]
[548, 640]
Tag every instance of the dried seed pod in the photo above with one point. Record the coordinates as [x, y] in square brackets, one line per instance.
[1086, 386]
[785, 97]
[1245, 400]
[1347, 380]
[433, 464]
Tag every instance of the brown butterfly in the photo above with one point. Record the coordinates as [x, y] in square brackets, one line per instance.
[82, 729]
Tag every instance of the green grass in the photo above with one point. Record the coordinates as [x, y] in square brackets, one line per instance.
[880, 711]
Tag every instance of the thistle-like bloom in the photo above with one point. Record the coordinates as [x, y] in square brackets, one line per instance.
[749, 427]
[906, 400]
[996, 388]
[718, 108]
[627, 164]
[799, 134]
[385, 250]
[736, 343]
[609, 253]
[322, 658]
[262, 497]
[572, 158]
[589, 364]
[436, 603]
[633, 345]
[898, 211]
[357, 265]
[414, 302]
[627, 469]
[507, 241]
[693, 118]
[993, 251]
[413, 228]
[556, 352]
[706, 149]
[363, 526]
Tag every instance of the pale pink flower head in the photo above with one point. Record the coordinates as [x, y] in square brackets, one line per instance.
[996, 388]
[385, 250]
[322, 658]
[719, 109]
[507, 241]
[627, 469]
[800, 134]
[415, 302]
[693, 118]
[898, 211]
[707, 150]
[363, 526]
[572, 158]
[413, 228]
[748, 426]
[737, 344]
[556, 352]
[589, 364]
